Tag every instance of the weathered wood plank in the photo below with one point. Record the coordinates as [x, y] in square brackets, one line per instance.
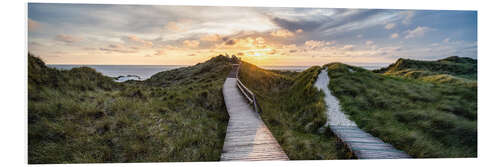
[364, 145]
[247, 137]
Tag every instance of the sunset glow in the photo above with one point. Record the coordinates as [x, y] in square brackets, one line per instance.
[172, 35]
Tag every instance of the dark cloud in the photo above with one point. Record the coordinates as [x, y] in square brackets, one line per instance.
[114, 46]
[35, 44]
[118, 50]
[230, 42]
[294, 25]
[359, 16]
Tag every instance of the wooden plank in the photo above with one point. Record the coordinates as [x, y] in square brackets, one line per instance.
[364, 145]
[247, 137]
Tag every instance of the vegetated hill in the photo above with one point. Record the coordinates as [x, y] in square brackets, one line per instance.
[453, 70]
[81, 116]
[425, 119]
[214, 69]
[294, 111]
[40, 76]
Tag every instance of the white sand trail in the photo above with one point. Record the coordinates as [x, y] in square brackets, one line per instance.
[334, 113]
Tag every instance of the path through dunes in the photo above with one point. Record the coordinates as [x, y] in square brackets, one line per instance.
[362, 144]
[247, 137]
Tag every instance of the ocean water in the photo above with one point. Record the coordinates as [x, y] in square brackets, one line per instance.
[128, 72]
[142, 72]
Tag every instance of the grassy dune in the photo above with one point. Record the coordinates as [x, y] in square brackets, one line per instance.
[428, 109]
[81, 116]
[451, 70]
[294, 111]
[426, 118]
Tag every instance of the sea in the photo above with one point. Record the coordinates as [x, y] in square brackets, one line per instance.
[123, 73]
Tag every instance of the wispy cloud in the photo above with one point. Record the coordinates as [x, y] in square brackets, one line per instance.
[283, 33]
[33, 25]
[417, 32]
[67, 38]
[211, 37]
[390, 26]
[312, 44]
[394, 35]
[408, 16]
[191, 43]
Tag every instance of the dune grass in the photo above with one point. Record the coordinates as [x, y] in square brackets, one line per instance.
[452, 70]
[81, 116]
[294, 111]
[423, 118]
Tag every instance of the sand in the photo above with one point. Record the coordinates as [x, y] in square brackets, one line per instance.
[334, 110]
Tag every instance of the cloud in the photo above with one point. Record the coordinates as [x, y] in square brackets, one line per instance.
[354, 20]
[117, 48]
[390, 26]
[67, 38]
[369, 43]
[136, 39]
[294, 24]
[360, 36]
[348, 47]
[408, 17]
[114, 46]
[282, 33]
[446, 40]
[394, 35]
[211, 37]
[298, 31]
[230, 42]
[385, 51]
[417, 32]
[191, 43]
[160, 52]
[312, 44]
[244, 43]
[173, 26]
[33, 25]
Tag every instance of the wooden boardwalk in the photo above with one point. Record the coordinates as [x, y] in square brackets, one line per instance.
[364, 145]
[247, 137]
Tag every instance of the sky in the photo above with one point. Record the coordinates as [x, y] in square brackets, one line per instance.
[186, 35]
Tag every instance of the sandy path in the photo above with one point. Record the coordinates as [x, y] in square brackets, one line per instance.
[334, 113]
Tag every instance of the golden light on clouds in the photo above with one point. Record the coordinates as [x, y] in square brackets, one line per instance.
[282, 33]
[191, 43]
[211, 37]
[71, 34]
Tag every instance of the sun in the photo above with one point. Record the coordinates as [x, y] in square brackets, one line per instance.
[257, 54]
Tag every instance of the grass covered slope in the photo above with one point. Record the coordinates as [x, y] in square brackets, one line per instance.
[294, 111]
[425, 119]
[451, 70]
[81, 116]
